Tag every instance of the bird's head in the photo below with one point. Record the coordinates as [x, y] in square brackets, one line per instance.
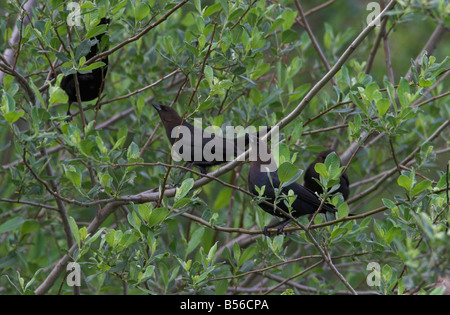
[167, 114]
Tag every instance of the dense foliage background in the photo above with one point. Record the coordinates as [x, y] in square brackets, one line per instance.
[94, 193]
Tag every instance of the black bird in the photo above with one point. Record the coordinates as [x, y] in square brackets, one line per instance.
[91, 84]
[306, 201]
[310, 174]
[200, 141]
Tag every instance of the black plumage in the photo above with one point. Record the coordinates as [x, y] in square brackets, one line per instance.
[310, 174]
[222, 149]
[306, 201]
[91, 84]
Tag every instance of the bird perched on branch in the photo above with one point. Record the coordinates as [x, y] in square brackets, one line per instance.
[197, 146]
[91, 84]
[306, 202]
[310, 174]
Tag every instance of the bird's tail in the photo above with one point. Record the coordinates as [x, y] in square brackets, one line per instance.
[328, 208]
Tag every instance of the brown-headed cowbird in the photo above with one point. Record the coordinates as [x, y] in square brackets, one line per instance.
[91, 84]
[306, 202]
[310, 174]
[195, 145]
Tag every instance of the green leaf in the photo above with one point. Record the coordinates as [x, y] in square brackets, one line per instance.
[224, 4]
[82, 49]
[404, 181]
[73, 175]
[149, 271]
[371, 89]
[157, 216]
[391, 92]
[236, 251]
[132, 152]
[328, 36]
[355, 99]
[12, 117]
[94, 237]
[321, 169]
[195, 240]
[110, 238]
[332, 163]
[29, 226]
[289, 36]
[383, 106]
[96, 30]
[386, 273]
[87, 5]
[11, 224]
[247, 254]
[93, 66]
[119, 6]
[57, 95]
[212, 9]
[184, 189]
[402, 91]
[286, 171]
[275, 25]
[141, 11]
[209, 75]
[343, 210]
[388, 203]
[426, 184]
[134, 220]
[198, 5]
[288, 18]
[33, 278]
[425, 83]
[337, 231]
[145, 211]
[74, 229]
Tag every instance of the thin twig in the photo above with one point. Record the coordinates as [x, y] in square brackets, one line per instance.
[203, 66]
[294, 276]
[313, 40]
[30, 203]
[394, 156]
[242, 16]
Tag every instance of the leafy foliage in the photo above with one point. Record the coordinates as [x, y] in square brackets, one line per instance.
[102, 194]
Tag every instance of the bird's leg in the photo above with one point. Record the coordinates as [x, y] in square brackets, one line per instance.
[282, 226]
[279, 230]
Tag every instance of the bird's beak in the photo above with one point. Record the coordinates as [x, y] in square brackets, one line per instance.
[157, 106]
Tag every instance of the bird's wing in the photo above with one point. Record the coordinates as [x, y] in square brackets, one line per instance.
[345, 178]
[306, 195]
